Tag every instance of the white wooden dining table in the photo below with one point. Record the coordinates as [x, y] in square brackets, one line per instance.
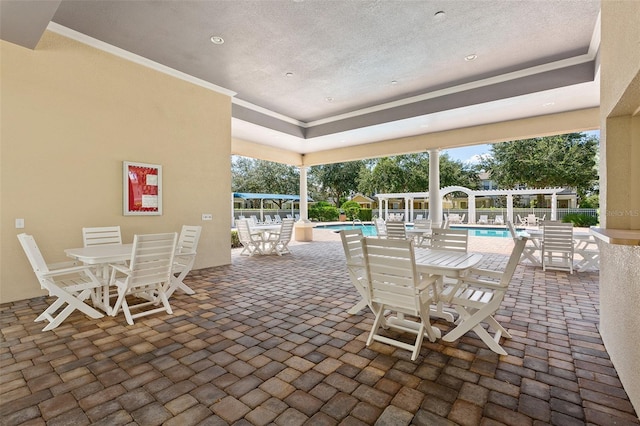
[264, 230]
[440, 263]
[101, 256]
[445, 263]
[584, 245]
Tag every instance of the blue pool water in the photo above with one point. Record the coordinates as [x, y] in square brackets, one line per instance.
[370, 230]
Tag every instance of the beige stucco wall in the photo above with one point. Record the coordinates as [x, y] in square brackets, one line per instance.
[620, 189]
[70, 114]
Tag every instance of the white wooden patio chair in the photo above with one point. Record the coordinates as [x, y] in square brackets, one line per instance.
[278, 242]
[396, 230]
[483, 220]
[449, 239]
[532, 249]
[499, 220]
[251, 243]
[184, 258]
[381, 227]
[588, 250]
[277, 218]
[477, 296]
[521, 221]
[395, 284]
[423, 239]
[268, 220]
[419, 216]
[147, 276]
[352, 245]
[557, 246]
[532, 220]
[70, 283]
[96, 236]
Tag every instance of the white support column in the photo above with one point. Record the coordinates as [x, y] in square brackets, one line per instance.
[380, 201]
[304, 208]
[386, 208]
[407, 210]
[435, 200]
[554, 206]
[510, 209]
[472, 209]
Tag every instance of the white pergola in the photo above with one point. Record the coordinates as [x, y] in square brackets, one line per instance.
[408, 197]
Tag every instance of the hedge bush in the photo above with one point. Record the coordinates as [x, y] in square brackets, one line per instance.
[324, 212]
[581, 220]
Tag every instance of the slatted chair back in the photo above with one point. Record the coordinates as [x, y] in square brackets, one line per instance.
[557, 246]
[185, 258]
[147, 277]
[352, 245]
[449, 239]
[281, 245]
[381, 227]
[499, 220]
[71, 284]
[96, 236]
[251, 244]
[189, 238]
[394, 284]
[396, 230]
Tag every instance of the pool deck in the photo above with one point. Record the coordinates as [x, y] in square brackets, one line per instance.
[267, 340]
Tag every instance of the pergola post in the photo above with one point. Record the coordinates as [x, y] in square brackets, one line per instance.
[408, 210]
[472, 209]
[554, 206]
[435, 200]
[510, 208]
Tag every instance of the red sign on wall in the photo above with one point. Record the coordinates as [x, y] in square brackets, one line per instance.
[142, 189]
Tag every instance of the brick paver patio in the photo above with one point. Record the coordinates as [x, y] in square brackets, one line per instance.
[267, 340]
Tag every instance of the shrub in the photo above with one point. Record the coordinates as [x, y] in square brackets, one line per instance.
[235, 241]
[581, 220]
[590, 202]
[352, 209]
[366, 215]
[324, 212]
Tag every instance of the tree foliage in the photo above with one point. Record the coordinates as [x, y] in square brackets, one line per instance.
[336, 181]
[410, 173]
[553, 161]
[251, 175]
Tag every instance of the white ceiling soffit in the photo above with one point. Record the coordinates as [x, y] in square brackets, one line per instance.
[308, 76]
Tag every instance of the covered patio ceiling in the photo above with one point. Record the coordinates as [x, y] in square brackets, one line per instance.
[316, 79]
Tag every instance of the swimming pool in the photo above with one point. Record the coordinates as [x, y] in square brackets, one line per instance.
[370, 230]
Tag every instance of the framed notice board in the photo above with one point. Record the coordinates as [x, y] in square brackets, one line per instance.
[142, 190]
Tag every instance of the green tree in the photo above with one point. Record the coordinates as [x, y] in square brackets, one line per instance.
[410, 173]
[251, 175]
[551, 161]
[336, 181]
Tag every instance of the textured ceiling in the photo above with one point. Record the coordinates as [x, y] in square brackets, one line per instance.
[358, 66]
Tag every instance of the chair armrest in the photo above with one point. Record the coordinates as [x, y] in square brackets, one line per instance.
[120, 268]
[67, 271]
[485, 273]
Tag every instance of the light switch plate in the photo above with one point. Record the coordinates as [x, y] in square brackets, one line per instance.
[207, 216]
[19, 223]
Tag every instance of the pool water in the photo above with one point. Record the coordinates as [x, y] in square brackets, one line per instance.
[370, 230]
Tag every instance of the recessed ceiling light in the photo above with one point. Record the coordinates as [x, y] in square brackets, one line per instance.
[546, 104]
[440, 15]
[394, 82]
[471, 57]
[328, 99]
[217, 40]
[289, 74]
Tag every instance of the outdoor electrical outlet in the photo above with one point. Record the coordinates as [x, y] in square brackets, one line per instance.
[19, 223]
[206, 216]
